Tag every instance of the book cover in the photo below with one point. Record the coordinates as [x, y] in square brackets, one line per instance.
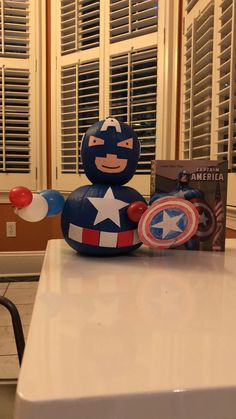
[203, 183]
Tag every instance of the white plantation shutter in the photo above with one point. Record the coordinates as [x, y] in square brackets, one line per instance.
[226, 92]
[133, 98]
[14, 121]
[79, 110]
[106, 65]
[88, 24]
[208, 111]
[198, 69]
[18, 103]
[14, 33]
[129, 18]
[225, 144]
[79, 25]
[68, 26]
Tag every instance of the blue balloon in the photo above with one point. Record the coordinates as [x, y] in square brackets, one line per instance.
[55, 201]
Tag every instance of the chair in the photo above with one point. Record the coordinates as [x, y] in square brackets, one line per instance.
[17, 326]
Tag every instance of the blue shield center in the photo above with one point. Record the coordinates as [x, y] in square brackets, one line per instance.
[168, 224]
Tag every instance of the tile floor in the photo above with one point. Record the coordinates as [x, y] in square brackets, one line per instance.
[22, 294]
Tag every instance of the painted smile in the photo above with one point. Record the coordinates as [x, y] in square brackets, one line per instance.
[110, 164]
[111, 167]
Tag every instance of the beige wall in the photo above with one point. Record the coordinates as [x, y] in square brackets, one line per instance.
[230, 234]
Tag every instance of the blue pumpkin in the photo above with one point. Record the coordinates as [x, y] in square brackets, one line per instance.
[95, 221]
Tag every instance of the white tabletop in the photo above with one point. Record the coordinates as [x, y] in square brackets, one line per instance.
[147, 335]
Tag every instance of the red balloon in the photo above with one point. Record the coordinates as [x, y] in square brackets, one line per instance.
[20, 196]
[136, 210]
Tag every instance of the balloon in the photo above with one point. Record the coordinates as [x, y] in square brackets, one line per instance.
[20, 196]
[36, 211]
[55, 201]
[136, 210]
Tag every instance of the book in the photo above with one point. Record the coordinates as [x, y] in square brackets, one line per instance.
[203, 183]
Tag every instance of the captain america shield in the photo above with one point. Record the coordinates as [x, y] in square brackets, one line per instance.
[207, 219]
[168, 223]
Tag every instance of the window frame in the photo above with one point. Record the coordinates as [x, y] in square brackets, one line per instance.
[167, 75]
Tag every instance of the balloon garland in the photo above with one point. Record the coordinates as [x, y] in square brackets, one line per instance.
[33, 207]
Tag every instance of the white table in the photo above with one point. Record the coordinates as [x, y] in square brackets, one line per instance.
[150, 335]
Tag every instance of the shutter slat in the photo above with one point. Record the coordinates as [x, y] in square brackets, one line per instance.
[190, 5]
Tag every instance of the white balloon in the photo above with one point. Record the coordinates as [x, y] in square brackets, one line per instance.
[36, 211]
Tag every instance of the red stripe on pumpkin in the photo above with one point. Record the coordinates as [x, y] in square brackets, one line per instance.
[91, 237]
[125, 238]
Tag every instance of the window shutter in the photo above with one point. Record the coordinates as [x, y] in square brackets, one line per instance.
[129, 18]
[68, 26]
[208, 111]
[133, 98]
[14, 33]
[79, 25]
[18, 102]
[198, 70]
[209, 132]
[79, 110]
[14, 121]
[226, 106]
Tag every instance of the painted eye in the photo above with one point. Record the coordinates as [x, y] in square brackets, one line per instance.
[126, 143]
[95, 141]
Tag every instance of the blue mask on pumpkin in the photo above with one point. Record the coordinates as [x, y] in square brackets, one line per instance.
[110, 152]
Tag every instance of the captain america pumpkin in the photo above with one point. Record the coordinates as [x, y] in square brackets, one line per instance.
[102, 218]
[106, 217]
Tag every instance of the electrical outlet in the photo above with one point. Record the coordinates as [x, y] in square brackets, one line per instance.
[11, 228]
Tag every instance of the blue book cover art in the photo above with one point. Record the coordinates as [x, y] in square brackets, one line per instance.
[203, 183]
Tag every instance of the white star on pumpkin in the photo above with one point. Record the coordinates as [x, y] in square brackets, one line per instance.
[168, 224]
[108, 207]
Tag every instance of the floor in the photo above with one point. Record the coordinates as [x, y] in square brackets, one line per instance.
[22, 294]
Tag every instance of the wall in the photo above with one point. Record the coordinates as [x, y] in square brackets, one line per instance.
[230, 234]
[29, 236]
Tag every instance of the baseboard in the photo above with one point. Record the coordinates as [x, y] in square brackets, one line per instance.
[21, 263]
